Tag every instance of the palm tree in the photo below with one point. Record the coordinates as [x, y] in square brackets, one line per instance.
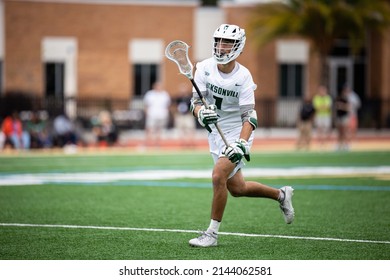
[321, 22]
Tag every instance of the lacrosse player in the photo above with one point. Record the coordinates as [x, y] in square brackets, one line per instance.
[228, 88]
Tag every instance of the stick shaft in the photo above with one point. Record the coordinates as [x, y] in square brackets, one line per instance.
[207, 106]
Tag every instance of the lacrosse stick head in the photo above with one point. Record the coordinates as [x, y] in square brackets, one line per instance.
[177, 51]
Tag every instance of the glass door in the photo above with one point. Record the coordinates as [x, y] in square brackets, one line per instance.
[340, 73]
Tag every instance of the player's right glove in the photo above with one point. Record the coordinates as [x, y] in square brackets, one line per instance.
[207, 116]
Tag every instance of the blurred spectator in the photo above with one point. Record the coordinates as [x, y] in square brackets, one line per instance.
[64, 131]
[305, 124]
[323, 119]
[13, 132]
[354, 105]
[184, 120]
[342, 109]
[2, 139]
[105, 130]
[38, 130]
[157, 103]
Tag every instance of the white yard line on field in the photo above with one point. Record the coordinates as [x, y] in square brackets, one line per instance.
[107, 177]
[194, 231]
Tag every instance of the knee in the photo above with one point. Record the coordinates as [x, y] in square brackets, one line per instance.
[236, 189]
[235, 192]
[218, 179]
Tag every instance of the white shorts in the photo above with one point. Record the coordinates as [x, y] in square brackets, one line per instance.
[184, 122]
[217, 146]
[323, 122]
[156, 123]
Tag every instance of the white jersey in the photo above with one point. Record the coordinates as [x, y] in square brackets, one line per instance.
[227, 91]
[157, 104]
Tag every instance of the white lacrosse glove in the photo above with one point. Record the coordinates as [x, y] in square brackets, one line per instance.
[237, 150]
[207, 116]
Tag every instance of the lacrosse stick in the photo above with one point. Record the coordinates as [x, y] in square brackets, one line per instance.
[177, 51]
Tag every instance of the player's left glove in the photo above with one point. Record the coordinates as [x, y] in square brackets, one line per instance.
[237, 150]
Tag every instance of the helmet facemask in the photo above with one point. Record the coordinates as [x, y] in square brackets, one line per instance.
[229, 41]
[224, 49]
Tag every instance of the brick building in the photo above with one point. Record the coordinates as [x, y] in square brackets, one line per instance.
[86, 55]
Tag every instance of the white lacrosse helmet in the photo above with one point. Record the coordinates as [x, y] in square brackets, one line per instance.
[233, 38]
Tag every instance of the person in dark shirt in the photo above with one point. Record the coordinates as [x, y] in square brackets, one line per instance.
[305, 124]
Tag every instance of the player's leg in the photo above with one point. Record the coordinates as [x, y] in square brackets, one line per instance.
[237, 186]
[222, 169]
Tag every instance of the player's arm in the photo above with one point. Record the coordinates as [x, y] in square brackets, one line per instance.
[196, 103]
[246, 131]
[240, 148]
[205, 116]
[249, 120]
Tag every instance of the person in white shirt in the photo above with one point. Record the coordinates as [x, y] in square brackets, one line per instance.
[157, 104]
[229, 89]
[354, 105]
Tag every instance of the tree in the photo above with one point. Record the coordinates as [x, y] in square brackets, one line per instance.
[321, 22]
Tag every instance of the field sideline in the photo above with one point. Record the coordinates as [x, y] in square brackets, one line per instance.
[77, 211]
[194, 231]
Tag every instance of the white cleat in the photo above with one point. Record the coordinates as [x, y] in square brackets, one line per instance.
[286, 204]
[206, 239]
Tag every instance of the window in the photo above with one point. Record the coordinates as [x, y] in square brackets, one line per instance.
[54, 80]
[291, 80]
[144, 77]
[292, 56]
[145, 56]
[1, 78]
[59, 58]
[210, 3]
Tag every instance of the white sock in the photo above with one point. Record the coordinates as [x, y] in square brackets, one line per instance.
[214, 226]
[281, 195]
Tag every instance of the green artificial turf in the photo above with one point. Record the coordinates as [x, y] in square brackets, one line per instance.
[336, 216]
